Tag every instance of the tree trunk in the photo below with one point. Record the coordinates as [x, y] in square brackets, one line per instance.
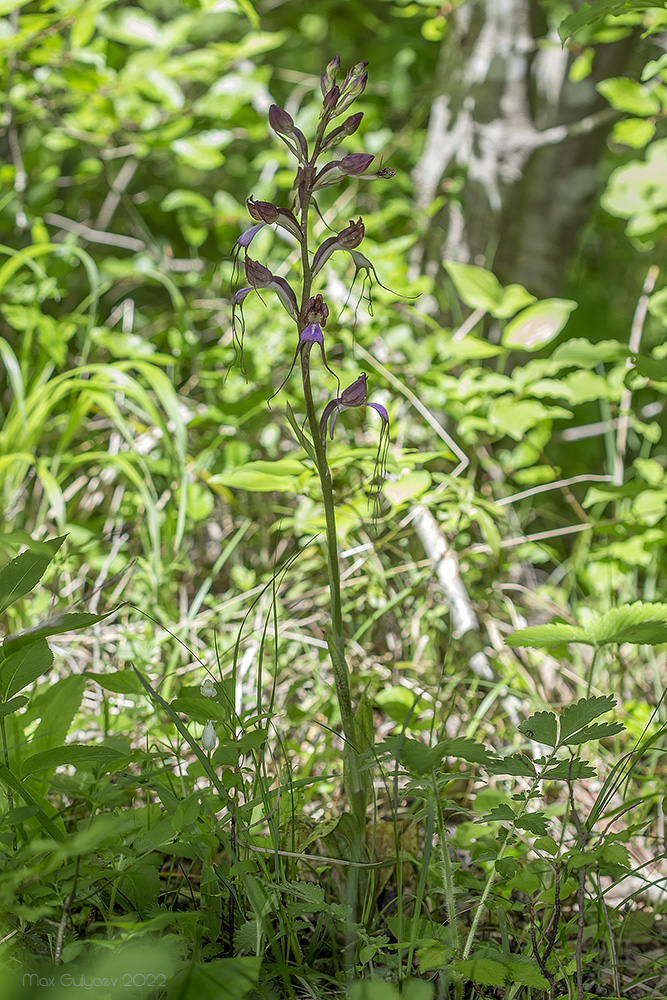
[513, 146]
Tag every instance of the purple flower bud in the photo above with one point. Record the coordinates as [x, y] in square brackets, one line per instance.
[258, 275]
[356, 163]
[351, 124]
[280, 121]
[355, 394]
[263, 211]
[328, 78]
[330, 100]
[352, 235]
[269, 213]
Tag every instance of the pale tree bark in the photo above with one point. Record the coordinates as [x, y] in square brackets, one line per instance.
[523, 140]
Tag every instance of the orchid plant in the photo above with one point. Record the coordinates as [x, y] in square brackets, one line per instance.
[310, 313]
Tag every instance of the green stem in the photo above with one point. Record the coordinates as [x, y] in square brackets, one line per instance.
[447, 871]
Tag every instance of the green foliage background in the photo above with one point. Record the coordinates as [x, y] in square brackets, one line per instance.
[132, 136]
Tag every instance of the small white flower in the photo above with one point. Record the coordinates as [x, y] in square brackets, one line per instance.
[207, 688]
[208, 737]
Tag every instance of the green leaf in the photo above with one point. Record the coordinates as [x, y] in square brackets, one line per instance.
[538, 325]
[533, 822]
[634, 132]
[410, 486]
[78, 755]
[477, 287]
[26, 570]
[541, 727]
[24, 666]
[118, 681]
[628, 95]
[598, 731]
[52, 626]
[555, 634]
[517, 765]
[588, 15]
[484, 971]
[583, 712]
[566, 769]
[283, 476]
[637, 623]
[219, 979]
[9, 707]
[466, 749]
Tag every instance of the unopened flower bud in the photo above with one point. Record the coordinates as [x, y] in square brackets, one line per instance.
[352, 235]
[209, 740]
[280, 121]
[263, 211]
[328, 78]
[330, 100]
[258, 275]
[207, 688]
[317, 311]
[355, 394]
[356, 163]
[351, 124]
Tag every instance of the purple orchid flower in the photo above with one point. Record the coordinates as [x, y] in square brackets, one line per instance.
[258, 277]
[356, 394]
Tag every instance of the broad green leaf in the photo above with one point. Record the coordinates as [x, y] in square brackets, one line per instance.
[589, 15]
[477, 287]
[197, 707]
[118, 681]
[410, 486]
[657, 304]
[581, 353]
[57, 705]
[545, 636]
[541, 727]
[526, 971]
[10, 780]
[501, 813]
[24, 666]
[26, 570]
[513, 298]
[637, 623]
[283, 476]
[634, 132]
[466, 749]
[538, 325]
[221, 978]
[629, 95]
[78, 755]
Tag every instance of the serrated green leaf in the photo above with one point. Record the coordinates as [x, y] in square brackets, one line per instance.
[525, 971]
[637, 623]
[517, 765]
[554, 634]
[24, 572]
[466, 749]
[484, 971]
[599, 731]
[541, 727]
[502, 813]
[533, 822]
[566, 769]
[576, 717]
